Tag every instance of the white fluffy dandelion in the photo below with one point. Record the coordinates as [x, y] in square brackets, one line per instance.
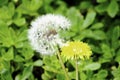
[43, 34]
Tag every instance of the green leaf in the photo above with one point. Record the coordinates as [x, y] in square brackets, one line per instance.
[2, 2]
[7, 12]
[92, 66]
[99, 35]
[83, 76]
[18, 77]
[105, 48]
[12, 36]
[48, 75]
[2, 66]
[106, 51]
[9, 55]
[89, 19]
[115, 37]
[7, 75]
[96, 49]
[117, 58]
[6, 64]
[85, 5]
[101, 1]
[26, 51]
[116, 73]
[66, 34]
[7, 35]
[76, 20]
[26, 72]
[20, 21]
[116, 33]
[3, 29]
[97, 25]
[27, 7]
[96, 34]
[102, 74]
[51, 64]
[113, 8]
[79, 37]
[117, 78]
[37, 5]
[101, 7]
[38, 63]
[22, 36]
[18, 58]
[84, 34]
[19, 44]
[61, 9]
[72, 75]
[60, 77]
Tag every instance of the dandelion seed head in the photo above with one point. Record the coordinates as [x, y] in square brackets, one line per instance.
[43, 34]
[52, 21]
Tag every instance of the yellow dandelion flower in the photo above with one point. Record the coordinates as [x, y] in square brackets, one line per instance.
[76, 50]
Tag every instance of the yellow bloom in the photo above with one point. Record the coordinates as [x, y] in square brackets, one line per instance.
[76, 50]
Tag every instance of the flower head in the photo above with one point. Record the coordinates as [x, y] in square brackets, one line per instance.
[76, 50]
[43, 34]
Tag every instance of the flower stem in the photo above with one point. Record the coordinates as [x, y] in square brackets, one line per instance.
[62, 64]
[76, 70]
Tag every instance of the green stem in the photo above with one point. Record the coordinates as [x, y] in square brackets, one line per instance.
[76, 70]
[62, 64]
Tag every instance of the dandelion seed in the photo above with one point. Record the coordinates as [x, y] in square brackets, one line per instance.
[76, 50]
[43, 34]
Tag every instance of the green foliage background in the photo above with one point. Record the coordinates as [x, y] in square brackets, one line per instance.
[96, 22]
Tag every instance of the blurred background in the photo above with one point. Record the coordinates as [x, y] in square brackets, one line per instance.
[96, 22]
